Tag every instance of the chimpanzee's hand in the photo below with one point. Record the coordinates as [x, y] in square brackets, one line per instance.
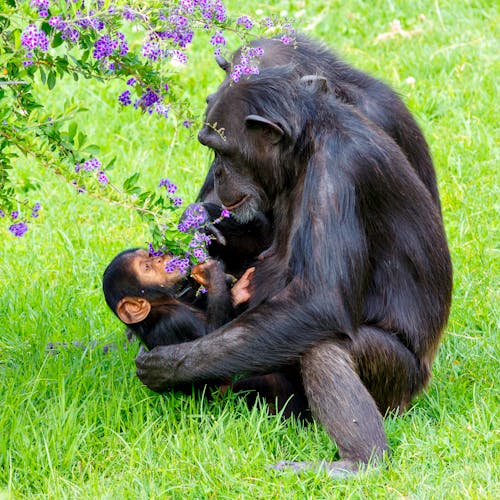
[157, 368]
[207, 272]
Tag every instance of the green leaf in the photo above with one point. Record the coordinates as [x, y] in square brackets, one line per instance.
[129, 183]
[93, 149]
[81, 139]
[51, 80]
[73, 127]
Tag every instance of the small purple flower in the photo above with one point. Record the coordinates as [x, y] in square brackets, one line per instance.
[42, 6]
[200, 239]
[35, 210]
[147, 100]
[2, 213]
[176, 201]
[162, 109]
[225, 213]
[187, 123]
[69, 33]
[268, 22]
[54, 21]
[193, 218]
[218, 39]
[178, 55]
[200, 254]
[89, 165]
[102, 178]
[14, 214]
[131, 81]
[286, 40]
[18, 229]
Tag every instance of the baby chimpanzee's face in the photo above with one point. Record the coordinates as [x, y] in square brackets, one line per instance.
[151, 270]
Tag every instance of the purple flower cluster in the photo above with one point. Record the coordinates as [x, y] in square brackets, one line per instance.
[106, 46]
[171, 189]
[102, 178]
[152, 51]
[32, 38]
[198, 246]
[218, 41]
[170, 186]
[91, 165]
[147, 100]
[194, 217]
[181, 264]
[42, 6]
[247, 64]
[18, 229]
[245, 21]
[128, 14]
[153, 252]
[35, 210]
[212, 9]
[124, 98]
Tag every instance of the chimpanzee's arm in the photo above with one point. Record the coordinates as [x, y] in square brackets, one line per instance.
[219, 304]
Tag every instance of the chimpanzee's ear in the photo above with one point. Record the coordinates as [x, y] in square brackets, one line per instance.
[223, 63]
[315, 83]
[270, 130]
[133, 309]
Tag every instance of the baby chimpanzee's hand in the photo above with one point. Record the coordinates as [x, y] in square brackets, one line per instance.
[207, 273]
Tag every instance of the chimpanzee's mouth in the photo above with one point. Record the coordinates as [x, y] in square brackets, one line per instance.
[238, 203]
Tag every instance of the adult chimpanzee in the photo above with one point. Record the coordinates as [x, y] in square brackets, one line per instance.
[357, 289]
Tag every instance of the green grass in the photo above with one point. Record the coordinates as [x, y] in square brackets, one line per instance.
[80, 424]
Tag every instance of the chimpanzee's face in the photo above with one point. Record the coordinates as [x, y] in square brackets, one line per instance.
[245, 148]
[150, 270]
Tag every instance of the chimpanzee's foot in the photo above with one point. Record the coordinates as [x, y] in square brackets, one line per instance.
[339, 469]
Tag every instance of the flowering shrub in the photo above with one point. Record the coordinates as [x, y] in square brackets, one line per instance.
[45, 40]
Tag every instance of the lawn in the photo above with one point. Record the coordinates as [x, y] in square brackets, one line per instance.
[79, 424]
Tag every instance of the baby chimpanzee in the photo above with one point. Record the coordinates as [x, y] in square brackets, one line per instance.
[163, 308]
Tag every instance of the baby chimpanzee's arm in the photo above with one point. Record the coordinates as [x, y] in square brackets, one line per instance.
[219, 302]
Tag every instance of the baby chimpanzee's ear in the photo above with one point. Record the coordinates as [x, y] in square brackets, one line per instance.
[133, 309]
